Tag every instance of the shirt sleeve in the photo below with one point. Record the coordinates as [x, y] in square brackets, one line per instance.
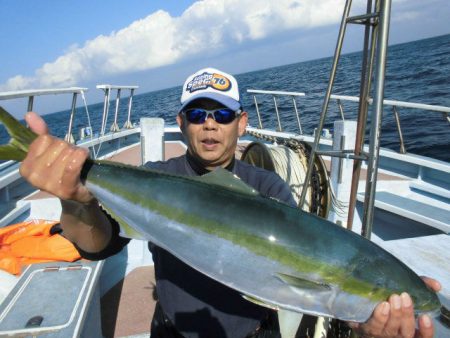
[115, 245]
[268, 183]
[281, 191]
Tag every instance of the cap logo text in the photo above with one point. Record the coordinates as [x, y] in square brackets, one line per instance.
[205, 80]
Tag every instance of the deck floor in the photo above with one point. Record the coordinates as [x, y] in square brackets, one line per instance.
[127, 308]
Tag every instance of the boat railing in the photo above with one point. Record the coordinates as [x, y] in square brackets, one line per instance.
[395, 107]
[275, 94]
[32, 93]
[107, 88]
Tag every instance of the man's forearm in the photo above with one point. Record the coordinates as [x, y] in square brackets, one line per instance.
[86, 225]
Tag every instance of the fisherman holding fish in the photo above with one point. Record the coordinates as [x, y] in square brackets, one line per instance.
[191, 304]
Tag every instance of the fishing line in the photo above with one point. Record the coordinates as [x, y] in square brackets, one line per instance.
[288, 165]
[340, 208]
[285, 161]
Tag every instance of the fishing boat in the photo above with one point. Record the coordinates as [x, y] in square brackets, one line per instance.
[401, 201]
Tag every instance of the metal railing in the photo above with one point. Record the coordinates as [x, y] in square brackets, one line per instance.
[30, 94]
[339, 100]
[107, 89]
[395, 105]
[274, 95]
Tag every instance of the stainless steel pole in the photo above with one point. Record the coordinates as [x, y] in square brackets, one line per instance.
[326, 100]
[399, 130]
[115, 126]
[69, 137]
[257, 112]
[365, 85]
[278, 114]
[297, 115]
[377, 113]
[30, 103]
[105, 111]
[128, 124]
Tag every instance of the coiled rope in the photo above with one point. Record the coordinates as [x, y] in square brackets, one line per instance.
[320, 198]
[291, 169]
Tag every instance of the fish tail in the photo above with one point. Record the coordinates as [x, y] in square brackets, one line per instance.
[21, 138]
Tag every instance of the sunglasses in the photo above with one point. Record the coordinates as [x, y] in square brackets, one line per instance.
[222, 116]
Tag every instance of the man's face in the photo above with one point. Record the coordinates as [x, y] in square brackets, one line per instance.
[212, 143]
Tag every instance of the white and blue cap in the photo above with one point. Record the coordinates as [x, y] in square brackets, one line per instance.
[211, 83]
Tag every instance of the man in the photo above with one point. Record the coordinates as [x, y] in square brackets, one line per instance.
[190, 304]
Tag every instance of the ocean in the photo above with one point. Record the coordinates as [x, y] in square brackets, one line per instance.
[417, 72]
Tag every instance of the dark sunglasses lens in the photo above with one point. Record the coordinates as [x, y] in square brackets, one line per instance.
[195, 115]
[224, 115]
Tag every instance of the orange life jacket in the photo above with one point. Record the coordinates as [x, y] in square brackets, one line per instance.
[32, 242]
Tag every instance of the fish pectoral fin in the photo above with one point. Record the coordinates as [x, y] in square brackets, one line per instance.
[260, 302]
[303, 283]
[224, 178]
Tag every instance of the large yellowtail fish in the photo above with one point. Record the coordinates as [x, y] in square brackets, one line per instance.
[274, 254]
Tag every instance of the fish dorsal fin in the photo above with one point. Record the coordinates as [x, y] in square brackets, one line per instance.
[224, 178]
[303, 283]
[260, 302]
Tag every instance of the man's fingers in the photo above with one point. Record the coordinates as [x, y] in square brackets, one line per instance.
[54, 166]
[393, 325]
[395, 318]
[432, 283]
[408, 323]
[55, 183]
[426, 329]
[376, 323]
[37, 149]
[36, 123]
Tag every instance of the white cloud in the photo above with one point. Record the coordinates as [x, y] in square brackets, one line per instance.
[206, 28]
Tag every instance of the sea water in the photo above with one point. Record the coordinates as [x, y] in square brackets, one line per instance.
[416, 71]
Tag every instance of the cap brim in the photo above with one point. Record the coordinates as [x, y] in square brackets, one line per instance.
[222, 99]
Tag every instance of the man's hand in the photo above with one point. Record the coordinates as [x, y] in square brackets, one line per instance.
[395, 318]
[54, 165]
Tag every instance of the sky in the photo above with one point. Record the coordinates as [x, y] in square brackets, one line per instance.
[157, 44]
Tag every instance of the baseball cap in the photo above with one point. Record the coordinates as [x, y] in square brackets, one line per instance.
[211, 83]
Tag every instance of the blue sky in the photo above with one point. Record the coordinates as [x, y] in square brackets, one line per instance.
[156, 44]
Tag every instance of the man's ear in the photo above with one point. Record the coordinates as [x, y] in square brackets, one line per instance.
[180, 122]
[243, 120]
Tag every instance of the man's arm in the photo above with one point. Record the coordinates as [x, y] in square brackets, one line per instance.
[54, 165]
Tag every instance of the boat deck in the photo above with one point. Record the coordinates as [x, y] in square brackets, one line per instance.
[127, 308]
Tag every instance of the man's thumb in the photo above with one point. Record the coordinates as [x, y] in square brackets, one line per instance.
[36, 123]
